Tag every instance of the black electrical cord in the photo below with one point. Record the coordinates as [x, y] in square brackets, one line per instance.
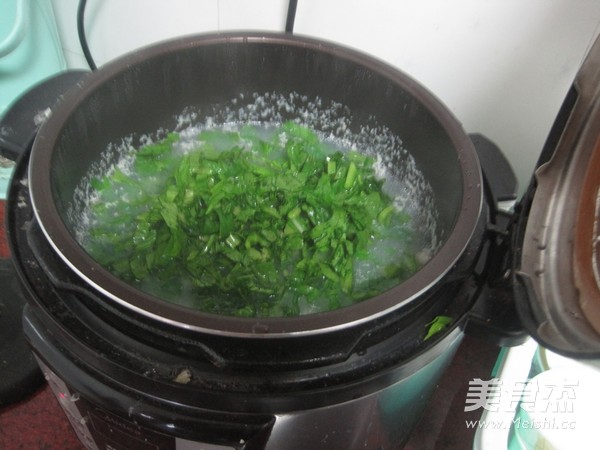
[289, 28]
[291, 16]
[81, 34]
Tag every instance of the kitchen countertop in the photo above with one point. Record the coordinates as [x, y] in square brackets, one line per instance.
[38, 423]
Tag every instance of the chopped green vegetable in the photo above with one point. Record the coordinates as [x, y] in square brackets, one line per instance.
[250, 226]
[437, 325]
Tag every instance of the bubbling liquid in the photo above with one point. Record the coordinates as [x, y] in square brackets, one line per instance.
[332, 122]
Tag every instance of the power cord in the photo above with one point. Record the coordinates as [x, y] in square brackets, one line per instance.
[291, 16]
[289, 28]
[81, 34]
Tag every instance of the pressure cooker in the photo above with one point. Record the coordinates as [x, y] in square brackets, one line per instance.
[132, 370]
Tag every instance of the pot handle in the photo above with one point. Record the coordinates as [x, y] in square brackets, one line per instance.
[27, 113]
[494, 315]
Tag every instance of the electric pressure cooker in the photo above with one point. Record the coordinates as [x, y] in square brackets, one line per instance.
[134, 371]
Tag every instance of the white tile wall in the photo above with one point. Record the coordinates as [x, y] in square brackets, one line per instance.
[501, 66]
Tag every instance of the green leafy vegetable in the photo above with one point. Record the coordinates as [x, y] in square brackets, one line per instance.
[437, 325]
[250, 226]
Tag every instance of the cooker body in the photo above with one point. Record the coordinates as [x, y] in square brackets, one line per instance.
[134, 371]
[107, 410]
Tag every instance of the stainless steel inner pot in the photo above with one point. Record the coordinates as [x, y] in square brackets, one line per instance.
[146, 90]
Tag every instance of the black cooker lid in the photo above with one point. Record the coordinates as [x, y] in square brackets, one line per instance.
[557, 277]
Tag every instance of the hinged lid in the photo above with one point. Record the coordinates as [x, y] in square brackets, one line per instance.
[557, 278]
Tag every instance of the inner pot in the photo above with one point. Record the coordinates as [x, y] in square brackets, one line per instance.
[199, 78]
